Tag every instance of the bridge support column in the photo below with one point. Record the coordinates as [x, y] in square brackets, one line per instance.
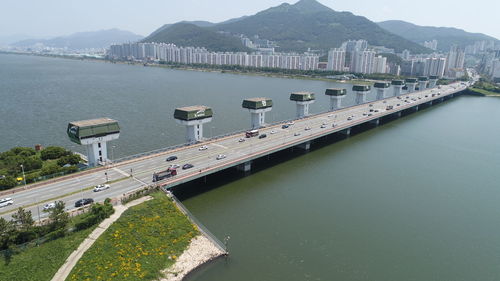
[305, 146]
[346, 132]
[245, 167]
[375, 122]
[398, 114]
[415, 108]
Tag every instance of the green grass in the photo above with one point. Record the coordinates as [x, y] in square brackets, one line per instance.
[484, 92]
[42, 262]
[146, 239]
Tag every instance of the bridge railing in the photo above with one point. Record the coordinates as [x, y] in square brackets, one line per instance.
[281, 122]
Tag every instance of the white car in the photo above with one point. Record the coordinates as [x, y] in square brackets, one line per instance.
[323, 126]
[49, 206]
[220, 156]
[174, 166]
[273, 132]
[241, 140]
[101, 187]
[203, 147]
[307, 128]
[6, 202]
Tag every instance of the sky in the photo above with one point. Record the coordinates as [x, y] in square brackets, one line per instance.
[50, 18]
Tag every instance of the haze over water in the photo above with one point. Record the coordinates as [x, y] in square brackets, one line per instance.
[414, 199]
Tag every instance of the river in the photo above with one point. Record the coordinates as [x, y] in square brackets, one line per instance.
[414, 199]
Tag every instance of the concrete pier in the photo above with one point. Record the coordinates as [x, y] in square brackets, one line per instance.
[411, 83]
[422, 82]
[381, 89]
[398, 87]
[193, 117]
[336, 96]
[361, 92]
[258, 108]
[302, 100]
[433, 81]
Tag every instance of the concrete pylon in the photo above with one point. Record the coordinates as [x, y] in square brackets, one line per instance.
[361, 92]
[303, 100]
[411, 83]
[398, 87]
[193, 117]
[336, 97]
[381, 89]
[258, 108]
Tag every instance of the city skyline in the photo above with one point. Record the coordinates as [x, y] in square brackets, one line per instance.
[58, 18]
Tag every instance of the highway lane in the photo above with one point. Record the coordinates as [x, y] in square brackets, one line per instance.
[142, 169]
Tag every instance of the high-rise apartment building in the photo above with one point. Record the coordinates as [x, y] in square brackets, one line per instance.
[336, 60]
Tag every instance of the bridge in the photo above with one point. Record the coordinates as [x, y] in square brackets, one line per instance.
[231, 151]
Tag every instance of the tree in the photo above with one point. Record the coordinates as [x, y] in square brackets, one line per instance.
[53, 152]
[7, 182]
[7, 233]
[58, 216]
[72, 159]
[23, 219]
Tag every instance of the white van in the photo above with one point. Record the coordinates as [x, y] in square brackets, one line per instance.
[6, 202]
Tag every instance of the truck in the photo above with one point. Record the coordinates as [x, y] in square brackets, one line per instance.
[170, 172]
[252, 133]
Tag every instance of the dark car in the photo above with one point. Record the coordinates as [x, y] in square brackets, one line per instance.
[171, 158]
[187, 166]
[284, 126]
[83, 202]
[262, 136]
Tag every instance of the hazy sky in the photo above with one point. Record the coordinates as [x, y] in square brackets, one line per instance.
[46, 18]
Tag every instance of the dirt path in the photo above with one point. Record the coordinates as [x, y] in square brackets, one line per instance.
[71, 261]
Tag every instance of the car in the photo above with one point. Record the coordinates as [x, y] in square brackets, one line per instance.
[6, 202]
[262, 136]
[101, 187]
[203, 147]
[273, 132]
[349, 118]
[297, 134]
[364, 113]
[333, 125]
[49, 206]
[285, 126]
[171, 158]
[187, 166]
[83, 202]
[174, 166]
[291, 123]
[323, 126]
[241, 140]
[307, 128]
[220, 156]
[371, 105]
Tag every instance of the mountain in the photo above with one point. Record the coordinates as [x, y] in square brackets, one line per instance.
[188, 34]
[446, 36]
[309, 24]
[197, 23]
[84, 40]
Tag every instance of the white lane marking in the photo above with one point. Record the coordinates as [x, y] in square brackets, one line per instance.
[219, 145]
[121, 172]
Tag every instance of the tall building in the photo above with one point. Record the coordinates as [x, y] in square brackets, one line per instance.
[431, 44]
[336, 60]
[406, 55]
[455, 60]
[434, 67]
[380, 64]
[362, 62]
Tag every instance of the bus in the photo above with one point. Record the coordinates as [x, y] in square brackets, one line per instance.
[252, 133]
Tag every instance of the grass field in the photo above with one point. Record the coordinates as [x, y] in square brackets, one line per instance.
[484, 92]
[42, 262]
[146, 239]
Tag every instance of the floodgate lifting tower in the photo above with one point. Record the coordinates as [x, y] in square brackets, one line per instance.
[303, 100]
[258, 108]
[94, 134]
[398, 87]
[411, 83]
[422, 82]
[193, 117]
[361, 92]
[381, 89]
[433, 81]
[336, 96]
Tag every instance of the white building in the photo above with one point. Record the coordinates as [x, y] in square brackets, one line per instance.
[336, 60]
[362, 62]
[380, 64]
[434, 67]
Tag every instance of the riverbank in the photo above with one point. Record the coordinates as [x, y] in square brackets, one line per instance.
[200, 251]
[201, 69]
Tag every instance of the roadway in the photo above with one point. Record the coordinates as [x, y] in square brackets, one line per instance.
[205, 162]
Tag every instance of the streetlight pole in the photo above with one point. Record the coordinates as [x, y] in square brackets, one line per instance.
[24, 176]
